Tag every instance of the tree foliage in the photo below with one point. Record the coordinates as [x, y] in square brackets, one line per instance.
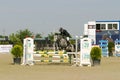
[21, 34]
[51, 36]
[17, 38]
[1, 36]
[38, 35]
[14, 39]
[110, 46]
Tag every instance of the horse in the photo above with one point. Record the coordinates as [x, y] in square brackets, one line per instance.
[62, 43]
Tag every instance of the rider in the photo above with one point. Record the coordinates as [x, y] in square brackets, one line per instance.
[64, 32]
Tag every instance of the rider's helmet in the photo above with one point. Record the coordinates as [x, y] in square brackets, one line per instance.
[61, 29]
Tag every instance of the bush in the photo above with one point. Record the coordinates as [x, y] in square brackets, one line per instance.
[96, 53]
[17, 51]
[111, 46]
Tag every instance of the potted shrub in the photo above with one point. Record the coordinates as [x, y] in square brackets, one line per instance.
[111, 46]
[96, 55]
[17, 52]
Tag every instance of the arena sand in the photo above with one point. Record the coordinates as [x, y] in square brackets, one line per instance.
[108, 70]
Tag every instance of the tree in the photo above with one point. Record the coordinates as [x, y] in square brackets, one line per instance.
[14, 39]
[4, 39]
[51, 37]
[38, 35]
[19, 36]
[1, 36]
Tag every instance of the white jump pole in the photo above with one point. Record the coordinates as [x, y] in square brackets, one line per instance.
[76, 50]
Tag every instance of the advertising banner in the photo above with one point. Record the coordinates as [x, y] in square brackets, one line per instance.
[5, 48]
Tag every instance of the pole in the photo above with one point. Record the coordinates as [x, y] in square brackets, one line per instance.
[76, 50]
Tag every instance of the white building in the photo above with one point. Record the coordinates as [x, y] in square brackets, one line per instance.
[98, 30]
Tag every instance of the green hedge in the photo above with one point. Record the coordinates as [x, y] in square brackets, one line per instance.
[17, 51]
[96, 53]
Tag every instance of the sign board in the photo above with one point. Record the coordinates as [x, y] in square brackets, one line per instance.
[104, 46]
[28, 51]
[5, 48]
[86, 44]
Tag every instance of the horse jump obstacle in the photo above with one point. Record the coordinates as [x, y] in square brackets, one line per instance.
[117, 48]
[29, 57]
[104, 46]
[51, 57]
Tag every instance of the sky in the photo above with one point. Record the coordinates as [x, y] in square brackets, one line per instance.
[46, 16]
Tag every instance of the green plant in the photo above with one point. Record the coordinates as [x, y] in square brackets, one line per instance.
[95, 53]
[17, 51]
[110, 46]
